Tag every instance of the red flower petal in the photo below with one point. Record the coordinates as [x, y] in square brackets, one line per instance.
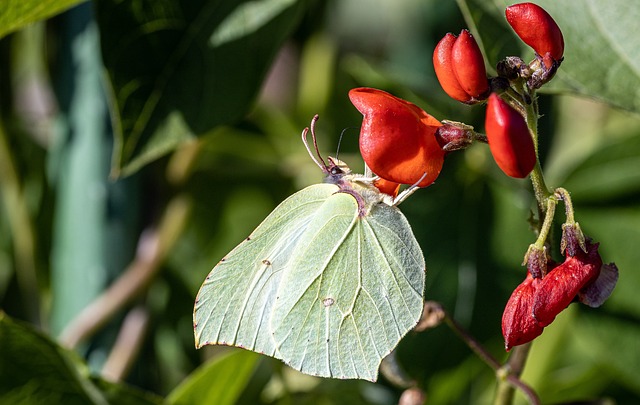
[397, 138]
[468, 65]
[537, 29]
[596, 293]
[518, 324]
[387, 187]
[443, 66]
[562, 284]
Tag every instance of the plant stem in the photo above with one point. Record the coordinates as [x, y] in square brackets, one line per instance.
[540, 188]
[546, 203]
[509, 378]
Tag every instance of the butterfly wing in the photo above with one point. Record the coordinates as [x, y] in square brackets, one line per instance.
[352, 290]
[235, 302]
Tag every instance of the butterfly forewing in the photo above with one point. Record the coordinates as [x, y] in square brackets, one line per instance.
[236, 300]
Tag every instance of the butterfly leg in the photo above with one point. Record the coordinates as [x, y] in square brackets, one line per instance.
[408, 191]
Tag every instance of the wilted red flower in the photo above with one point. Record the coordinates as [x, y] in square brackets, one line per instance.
[397, 138]
[536, 302]
[518, 324]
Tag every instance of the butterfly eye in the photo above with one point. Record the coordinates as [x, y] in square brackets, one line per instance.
[335, 170]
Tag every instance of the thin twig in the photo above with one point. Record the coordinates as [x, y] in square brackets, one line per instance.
[152, 248]
[127, 345]
[510, 374]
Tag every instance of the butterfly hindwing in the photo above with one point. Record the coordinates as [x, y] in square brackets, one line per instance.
[353, 289]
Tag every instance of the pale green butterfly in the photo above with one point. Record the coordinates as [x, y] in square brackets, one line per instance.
[328, 283]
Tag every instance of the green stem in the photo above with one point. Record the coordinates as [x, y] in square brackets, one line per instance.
[544, 230]
[546, 208]
[563, 194]
[540, 188]
[510, 373]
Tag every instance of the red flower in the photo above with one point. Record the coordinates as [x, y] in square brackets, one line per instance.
[562, 284]
[509, 138]
[518, 324]
[537, 29]
[536, 302]
[459, 66]
[397, 138]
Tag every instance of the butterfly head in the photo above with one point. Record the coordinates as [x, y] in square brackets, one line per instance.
[335, 170]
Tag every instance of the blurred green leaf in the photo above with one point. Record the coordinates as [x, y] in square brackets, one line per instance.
[616, 228]
[611, 172]
[15, 14]
[601, 55]
[35, 370]
[220, 381]
[79, 165]
[178, 69]
[612, 343]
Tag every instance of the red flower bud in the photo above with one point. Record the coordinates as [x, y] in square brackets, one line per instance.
[537, 29]
[397, 138]
[509, 138]
[518, 324]
[562, 284]
[443, 65]
[468, 65]
[459, 66]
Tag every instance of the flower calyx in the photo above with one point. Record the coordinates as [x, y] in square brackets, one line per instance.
[453, 135]
[536, 260]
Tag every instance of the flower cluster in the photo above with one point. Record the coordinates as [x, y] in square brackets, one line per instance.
[536, 302]
[402, 144]
[460, 69]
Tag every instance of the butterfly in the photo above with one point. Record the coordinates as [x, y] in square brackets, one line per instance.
[329, 282]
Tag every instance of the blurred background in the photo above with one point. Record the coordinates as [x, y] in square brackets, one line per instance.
[140, 141]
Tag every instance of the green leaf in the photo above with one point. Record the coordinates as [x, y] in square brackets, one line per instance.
[178, 69]
[612, 344]
[601, 56]
[220, 381]
[320, 285]
[35, 370]
[616, 228]
[609, 173]
[15, 14]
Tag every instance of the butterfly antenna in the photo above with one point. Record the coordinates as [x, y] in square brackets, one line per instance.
[317, 158]
[340, 139]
